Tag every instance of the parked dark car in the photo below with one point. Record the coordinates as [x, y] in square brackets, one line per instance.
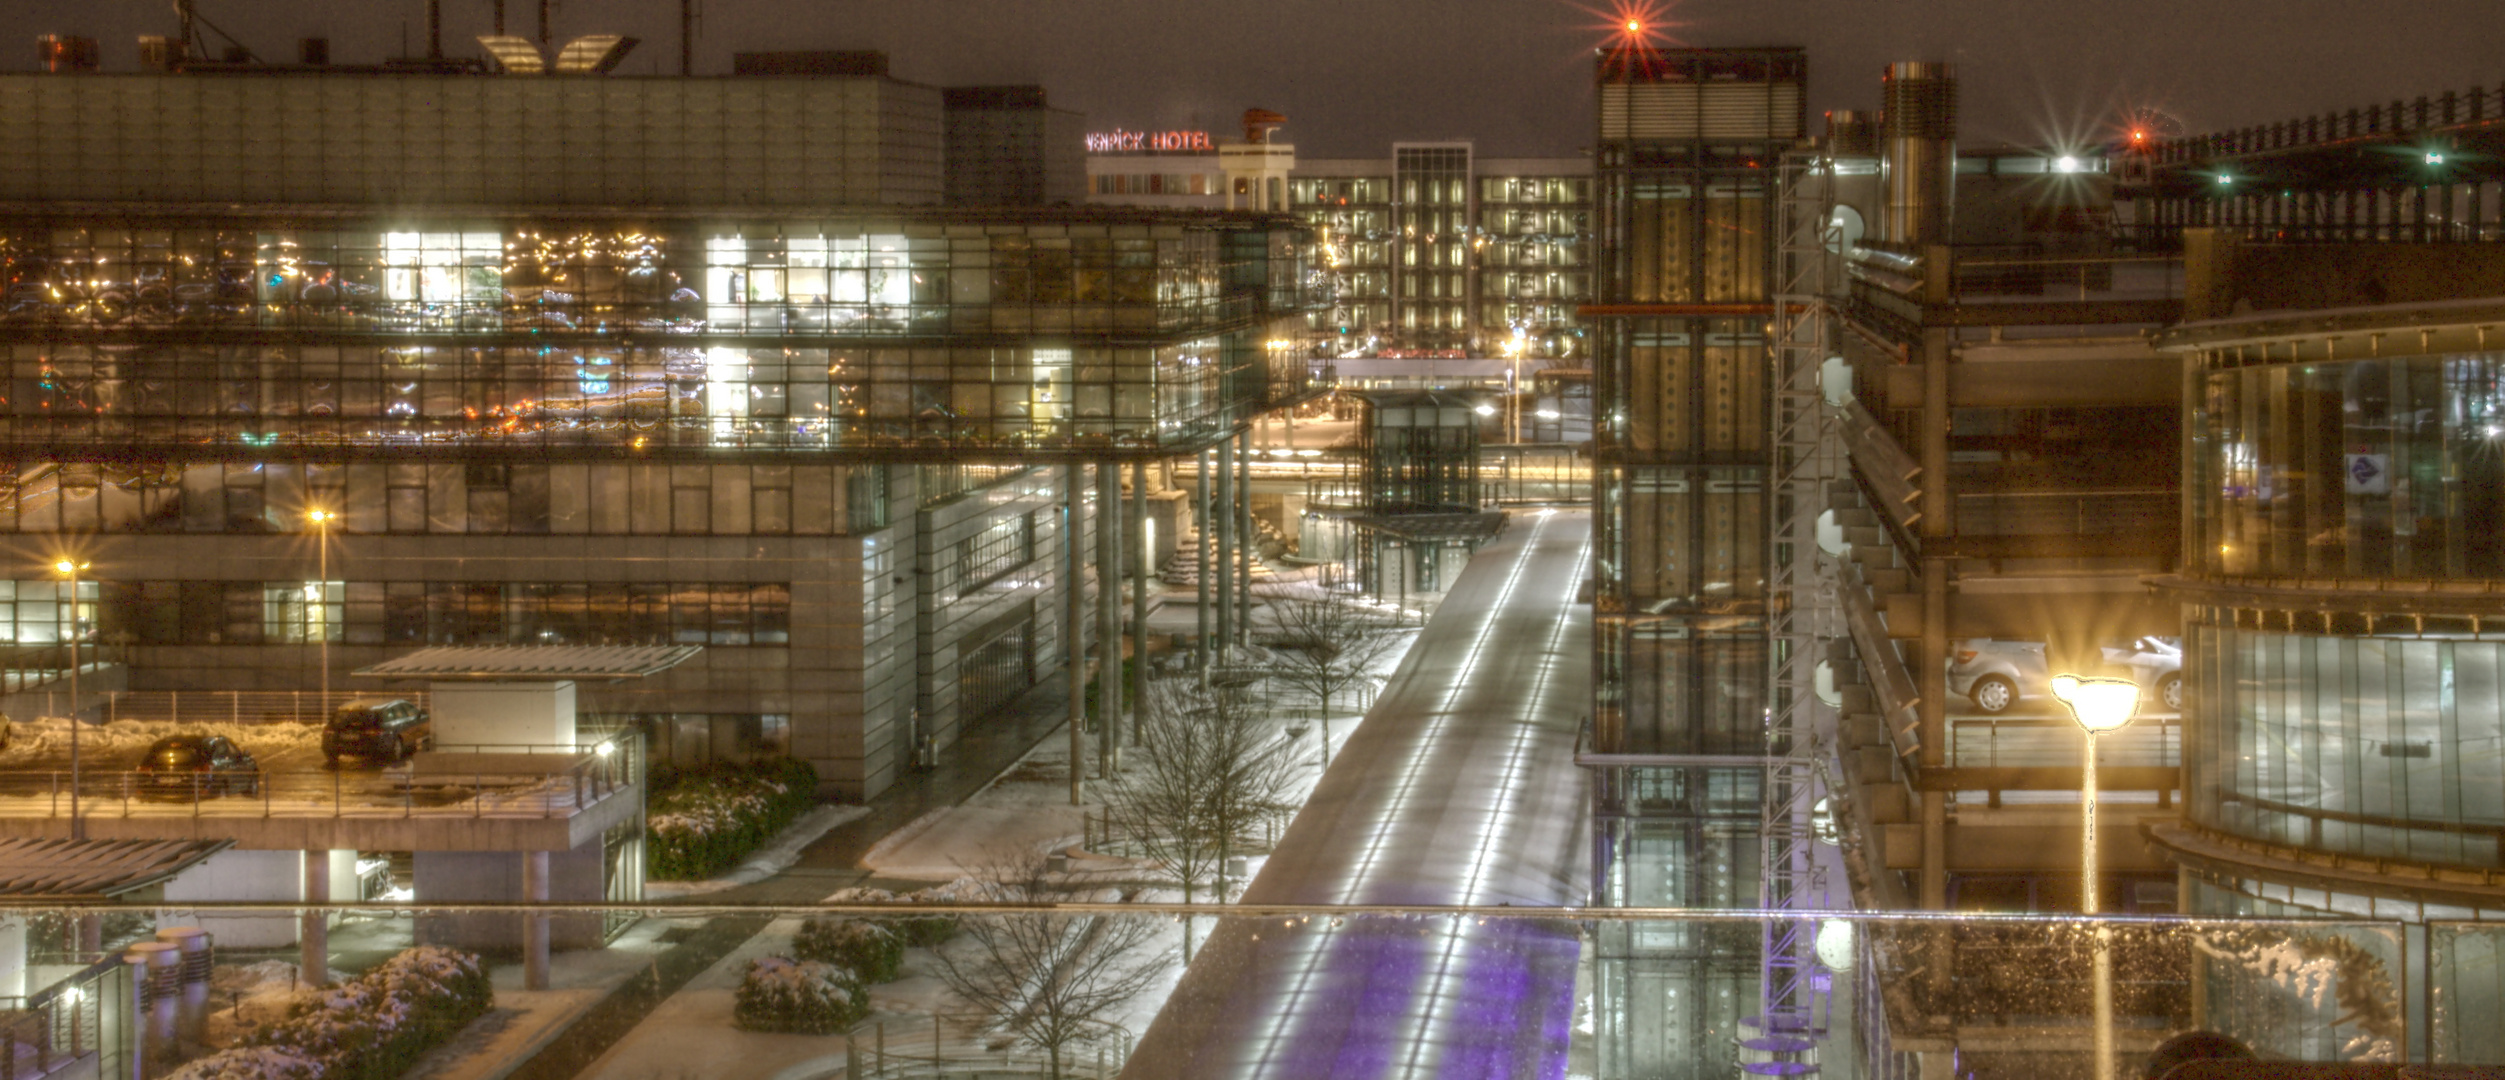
[199, 766]
[377, 730]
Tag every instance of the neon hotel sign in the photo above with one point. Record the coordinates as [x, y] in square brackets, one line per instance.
[1119, 141]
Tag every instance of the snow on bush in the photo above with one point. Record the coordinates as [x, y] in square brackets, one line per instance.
[249, 1063]
[874, 952]
[703, 820]
[917, 931]
[807, 997]
[368, 1028]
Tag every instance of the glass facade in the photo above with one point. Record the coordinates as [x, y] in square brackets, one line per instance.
[1431, 272]
[642, 335]
[494, 498]
[1441, 256]
[2373, 746]
[2383, 468]
[1533, 267]
[1681, 453]
[416, 612]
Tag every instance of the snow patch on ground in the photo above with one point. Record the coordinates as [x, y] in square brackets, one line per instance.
[44, 742]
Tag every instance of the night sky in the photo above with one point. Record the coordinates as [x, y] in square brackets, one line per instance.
[1353, 75]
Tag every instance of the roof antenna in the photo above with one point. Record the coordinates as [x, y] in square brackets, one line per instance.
[499, 18]
[196, 45]
[686, 37]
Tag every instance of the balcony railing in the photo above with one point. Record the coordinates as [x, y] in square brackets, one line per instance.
[526, 783]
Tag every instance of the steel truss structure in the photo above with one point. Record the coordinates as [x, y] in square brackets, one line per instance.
[1793, 988]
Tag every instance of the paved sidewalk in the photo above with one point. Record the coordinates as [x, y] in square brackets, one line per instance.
[832, 863]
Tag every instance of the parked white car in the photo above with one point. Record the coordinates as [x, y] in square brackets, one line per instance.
[1998, 674]
[2156, 663]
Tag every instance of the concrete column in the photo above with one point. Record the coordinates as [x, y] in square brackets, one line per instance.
[1139, 593]
[1244, 534]
[1202, 540]
[1225, 511]
[1109, 675]
[1073, 627]
[313, 962]
[535, 925]
[1931, 657]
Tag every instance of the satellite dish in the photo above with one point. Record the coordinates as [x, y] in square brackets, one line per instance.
[1844, 230]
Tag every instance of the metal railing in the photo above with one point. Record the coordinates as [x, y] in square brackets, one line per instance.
[239, 706]
[2047, 742]
[432, 787]
[2479, 104]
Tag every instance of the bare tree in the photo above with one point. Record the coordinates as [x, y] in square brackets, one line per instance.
[1049, 978]
[1327, 648]
[1206, 779]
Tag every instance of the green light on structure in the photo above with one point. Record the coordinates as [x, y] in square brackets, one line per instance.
[2435, 157]
[2225, 179]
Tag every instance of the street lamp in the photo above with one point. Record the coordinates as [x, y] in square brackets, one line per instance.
[69, 568]
[2099, 705]
[321, 595]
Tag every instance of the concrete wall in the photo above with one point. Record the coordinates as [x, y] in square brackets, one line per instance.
[458, 877]
[506, 714]
[239, 876]
[2224, 276]
[13, 981]
[955, 615]
[361, 139]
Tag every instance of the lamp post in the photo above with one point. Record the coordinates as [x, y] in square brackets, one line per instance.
[321, 520]
[69, 568]
[2099, 705]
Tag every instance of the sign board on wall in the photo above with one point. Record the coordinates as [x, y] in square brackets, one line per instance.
[1119, 141]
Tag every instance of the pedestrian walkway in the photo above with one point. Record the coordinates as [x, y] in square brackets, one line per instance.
[827, 866]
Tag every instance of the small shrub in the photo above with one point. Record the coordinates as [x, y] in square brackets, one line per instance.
[930, 931]
[702, 820]
[249, 1063]
[367, 1028]
[807, 997]
[873, 951]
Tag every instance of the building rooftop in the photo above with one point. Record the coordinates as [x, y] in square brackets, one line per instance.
[523, 662]
[33, 868]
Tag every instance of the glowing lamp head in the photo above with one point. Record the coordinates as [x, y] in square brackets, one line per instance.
[319, 516]
[1834, 945]
[2225, 179]
[2098, 704]
[2065, 164]
[68, 566]
[2434, 158]
[1635, 26]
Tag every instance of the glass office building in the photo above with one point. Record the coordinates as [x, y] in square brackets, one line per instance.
[805, 433]
[2343, 655]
